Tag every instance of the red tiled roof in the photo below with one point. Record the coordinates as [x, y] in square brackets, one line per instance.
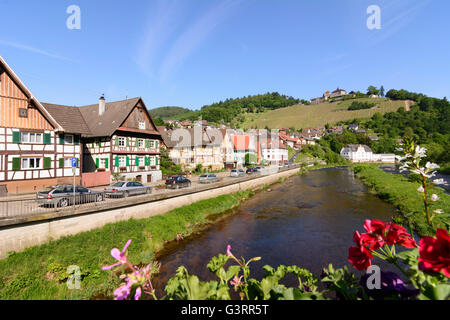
[241, 142]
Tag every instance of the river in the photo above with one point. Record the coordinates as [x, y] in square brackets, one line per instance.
[308, 220]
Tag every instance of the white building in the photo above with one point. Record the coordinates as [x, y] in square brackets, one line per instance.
[362, 153]
[273, 151]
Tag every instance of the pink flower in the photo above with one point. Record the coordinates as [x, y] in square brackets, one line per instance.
[138, 294]
[236, 282]
[119, 256]
[122, 292]
[229, 251]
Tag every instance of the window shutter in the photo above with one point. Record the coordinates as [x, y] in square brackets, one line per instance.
[47, 138]
[157, 160]
[78, 162]
[106, 163]
[97, 162]
[61, 139]
[16, 136]
[117, 141]
[128, 142]
[147, 143]
[76, 140]
[47, 163]
[16, 164]
[157, 144]
[99, 144]
[61, 162]
[128, 161]
[116, 161]
[146, 161]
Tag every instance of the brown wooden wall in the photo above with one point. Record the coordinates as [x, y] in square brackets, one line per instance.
[11, 99]
[137, 115]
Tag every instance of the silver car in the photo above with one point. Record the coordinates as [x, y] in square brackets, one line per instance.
[208, 178]
[63, 196]
[237, 173]
[126, 189]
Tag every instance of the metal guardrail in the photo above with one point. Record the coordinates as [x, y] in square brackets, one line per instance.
[65, 206]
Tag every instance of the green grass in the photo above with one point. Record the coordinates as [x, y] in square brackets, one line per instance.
[403, 194]
[39, 272]
[303, 116]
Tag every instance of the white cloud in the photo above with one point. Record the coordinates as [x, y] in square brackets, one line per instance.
[34, 50]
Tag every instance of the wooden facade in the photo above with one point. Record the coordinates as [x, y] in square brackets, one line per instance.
[29, 150]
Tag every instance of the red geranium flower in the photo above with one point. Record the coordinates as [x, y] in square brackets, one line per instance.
[375, 226]
[360, 258]
[398, 235]
[435, 253]
[367, 240]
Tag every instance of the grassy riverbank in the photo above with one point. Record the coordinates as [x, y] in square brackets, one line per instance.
[40, 272]
[403, 194]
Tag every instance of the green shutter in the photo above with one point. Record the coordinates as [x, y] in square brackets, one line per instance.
[117, 141]
[157, 160]
[106, 163]
[116, 161]
[128, 142]
[61, 162]
[76, 140]
[99, 144]
[128, 161]
[16, 164]
[157, 144]
[47, 138]
[147, 143]
[47, 163]
[61, 139]
[97, 162]
[78, 162]
[16, 136]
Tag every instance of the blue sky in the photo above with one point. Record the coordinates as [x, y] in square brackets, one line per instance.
[195, 52]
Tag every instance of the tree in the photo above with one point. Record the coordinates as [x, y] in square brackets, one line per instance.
[373, 90]
[382, 91]
[250, 158]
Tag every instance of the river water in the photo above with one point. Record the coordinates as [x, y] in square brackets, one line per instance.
[307, 221]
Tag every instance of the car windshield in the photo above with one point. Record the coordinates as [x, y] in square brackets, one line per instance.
[118, 184]
[203, 176]
[233, 170]
[212, 176]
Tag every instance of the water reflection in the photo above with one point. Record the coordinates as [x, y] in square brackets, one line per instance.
[307, 221]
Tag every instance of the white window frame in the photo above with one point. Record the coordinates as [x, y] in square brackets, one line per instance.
[122, 162]
[69, 141]
[141, 161]
[122, 142]
[27, 137]
[26, 162]
[141, 143]
[152, 144]
[142, 125]
[67, 162]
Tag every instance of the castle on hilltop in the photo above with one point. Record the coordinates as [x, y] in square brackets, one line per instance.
[327, 95]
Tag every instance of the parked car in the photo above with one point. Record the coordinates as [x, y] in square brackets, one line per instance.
[259, 169]
[208, 178]
[177, 182]
[237, 173]
[126, 189]
[251, 171]
[63, 196]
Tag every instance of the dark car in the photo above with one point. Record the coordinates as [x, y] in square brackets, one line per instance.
[125, 189]
[63, 196]
[251, 171]
[177, 182]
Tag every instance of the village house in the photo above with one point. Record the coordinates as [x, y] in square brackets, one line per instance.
[192, 147]
[361, 153]
[119, 139]
[245, 144]
[272, 150]
[32, 155]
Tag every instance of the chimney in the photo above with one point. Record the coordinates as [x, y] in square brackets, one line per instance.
[101, 105]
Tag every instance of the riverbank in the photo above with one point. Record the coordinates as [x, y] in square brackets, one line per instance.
[40, 272]
[402, 193]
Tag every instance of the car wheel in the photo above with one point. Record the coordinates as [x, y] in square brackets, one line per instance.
[99, 198]
[148, 191]
[126, 194]
[63, 203]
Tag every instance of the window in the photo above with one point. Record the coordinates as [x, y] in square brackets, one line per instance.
[27, 137]
[142, 125]
[122, 162]
[140, 143]
[152, 144]
[68, 139]
[140, 161]
[102, 163]
[31, 163]
[122, 142]
[67, 162]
